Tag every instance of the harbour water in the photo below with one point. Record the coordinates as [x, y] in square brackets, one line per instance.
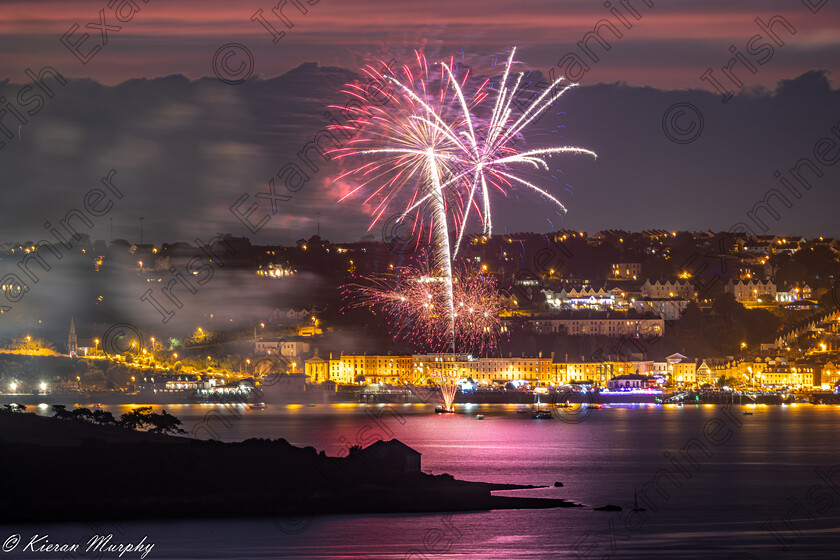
[765, 485]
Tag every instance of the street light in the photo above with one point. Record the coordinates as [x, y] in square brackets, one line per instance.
[96, 348]
[13, 386]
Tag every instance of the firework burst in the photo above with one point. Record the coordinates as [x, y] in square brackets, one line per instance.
[436, 145]
[435, 150]
[416, 305]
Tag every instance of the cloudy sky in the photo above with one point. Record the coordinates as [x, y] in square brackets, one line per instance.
[142, 95]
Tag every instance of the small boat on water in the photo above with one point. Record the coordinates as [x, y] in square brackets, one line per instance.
[441, 410]
[479, 417]
[636, 501]
[541, 414]
[747, 413]
[258, 406]
[96, 406]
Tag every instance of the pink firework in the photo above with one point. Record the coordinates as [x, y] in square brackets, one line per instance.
[416, 305]
[436, 144]
[434, 151]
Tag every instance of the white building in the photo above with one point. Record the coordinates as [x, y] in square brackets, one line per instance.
[614, 324]
[751, 290]
[290, 347]
[677, 288]
[586, 297]
[679, 369]
[793, 293]
[670, 309]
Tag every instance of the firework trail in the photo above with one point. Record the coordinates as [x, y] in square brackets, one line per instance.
[409, 146]
[447, 378]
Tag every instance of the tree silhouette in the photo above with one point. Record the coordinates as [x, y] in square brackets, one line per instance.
[84, 414]
[103, 417]
[60, 411]
[164, 423]
[136, 418]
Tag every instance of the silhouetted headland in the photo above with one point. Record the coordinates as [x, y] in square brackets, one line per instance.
[70, 470]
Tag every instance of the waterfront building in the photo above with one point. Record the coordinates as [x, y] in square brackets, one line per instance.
[780, 374]
[393, 370]
[422, 369]
[487, 371]
[175, 383]
[704, 374]
[677, 369]
[425, 365]
[829, 375]
[630, 382]
[317, 369]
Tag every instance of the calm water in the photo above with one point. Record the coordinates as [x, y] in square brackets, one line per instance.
[759, 468]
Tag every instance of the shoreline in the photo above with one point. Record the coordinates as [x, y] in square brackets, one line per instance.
[469, 399]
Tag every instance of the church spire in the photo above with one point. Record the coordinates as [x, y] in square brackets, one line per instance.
[72, 343]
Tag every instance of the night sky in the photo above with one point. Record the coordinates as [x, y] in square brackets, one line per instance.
[186, 146]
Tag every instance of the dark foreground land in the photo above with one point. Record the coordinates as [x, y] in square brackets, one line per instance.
[68, 470]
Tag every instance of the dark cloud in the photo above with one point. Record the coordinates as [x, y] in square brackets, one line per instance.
[185, 151]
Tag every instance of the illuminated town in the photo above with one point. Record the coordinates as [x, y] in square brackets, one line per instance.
[616, 331]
